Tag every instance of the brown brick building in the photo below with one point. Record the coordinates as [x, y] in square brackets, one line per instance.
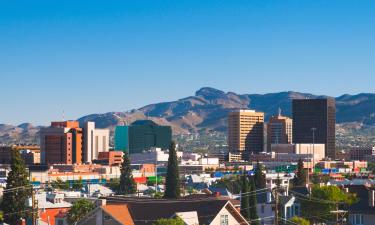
[61, 143]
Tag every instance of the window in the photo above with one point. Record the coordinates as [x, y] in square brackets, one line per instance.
[296, 210]
[224, 220]
[358, 219]
[288, 212]
[262, 209]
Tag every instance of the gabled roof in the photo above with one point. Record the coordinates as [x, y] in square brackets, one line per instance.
[285, 199]
[119, 212]
[147, 211]
[301, 190]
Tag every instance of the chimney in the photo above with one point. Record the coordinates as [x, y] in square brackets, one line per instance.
[371, 199]
[100, 202]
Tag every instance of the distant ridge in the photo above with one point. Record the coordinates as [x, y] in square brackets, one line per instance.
[207, 110]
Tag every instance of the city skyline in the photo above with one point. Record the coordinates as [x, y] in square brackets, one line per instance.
[94, 58]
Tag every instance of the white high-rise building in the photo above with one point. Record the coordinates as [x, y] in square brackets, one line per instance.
[96, 140]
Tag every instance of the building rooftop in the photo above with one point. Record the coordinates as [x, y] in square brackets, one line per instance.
[119, 212]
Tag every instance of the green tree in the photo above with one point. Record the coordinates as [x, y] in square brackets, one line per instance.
[301, 174]
[259, 176]
[371, 167]
[1, 216]
[78, 210]
[127, 183]
[253, 203]
[78, 184]
[300, 221]
[323, 200]
[114, 184]
[172, 183]
[233, 184]
[170, 221]
[245, 201]
[278, 181]
[17, 191]
[60, 184]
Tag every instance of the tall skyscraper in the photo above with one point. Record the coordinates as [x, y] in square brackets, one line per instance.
[61, 143]
[245, 131]
[142, 135]
[95, 141]
[279, 130]
[314, 120]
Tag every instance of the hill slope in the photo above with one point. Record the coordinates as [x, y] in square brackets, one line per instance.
[207, 110]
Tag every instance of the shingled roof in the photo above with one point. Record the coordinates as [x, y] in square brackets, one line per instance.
[147, 211]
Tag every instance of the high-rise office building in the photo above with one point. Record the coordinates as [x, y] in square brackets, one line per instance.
[245, 131]
[314, 120]
[279, 130]
[142, 135]
[95, 141]
[61, 143]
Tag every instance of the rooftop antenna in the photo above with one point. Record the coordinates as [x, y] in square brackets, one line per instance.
[63, 115]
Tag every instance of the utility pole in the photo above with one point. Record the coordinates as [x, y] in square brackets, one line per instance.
[34, 206]
[276, 206]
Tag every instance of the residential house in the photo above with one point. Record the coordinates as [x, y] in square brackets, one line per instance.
[363, 211]
[265, 208]
[208, 211]
[290, 206]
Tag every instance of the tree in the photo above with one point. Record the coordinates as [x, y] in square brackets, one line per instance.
[245, 192]
[78, 210]
[17, 191]
[60, 184]
[322, 201]
[127, 183]
[259, 176]
[170, 221]
[114, 185]
[253, 203]
[301, 174]
[78, 184]
[300, 221]
[233, 184]
[278, 181]
[172, 182]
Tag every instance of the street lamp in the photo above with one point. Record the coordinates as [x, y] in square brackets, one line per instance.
[313, 137]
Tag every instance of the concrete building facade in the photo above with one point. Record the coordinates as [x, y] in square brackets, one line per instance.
[95, 141]
[279, 130]
[245, 131]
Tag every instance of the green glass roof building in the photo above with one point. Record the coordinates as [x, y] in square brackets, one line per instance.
[142, 135]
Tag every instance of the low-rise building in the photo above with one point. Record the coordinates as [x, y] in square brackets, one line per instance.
[109, 158]
[209, 211]
[360, 153]
[363, 211]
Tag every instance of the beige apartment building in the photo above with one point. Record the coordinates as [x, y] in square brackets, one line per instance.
[245, 131]
[279, 131]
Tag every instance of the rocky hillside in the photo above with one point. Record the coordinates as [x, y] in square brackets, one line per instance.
[207, 110]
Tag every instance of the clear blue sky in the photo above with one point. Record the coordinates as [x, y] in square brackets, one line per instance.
[98, 56]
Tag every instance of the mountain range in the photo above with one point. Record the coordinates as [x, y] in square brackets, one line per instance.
[207, 111]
